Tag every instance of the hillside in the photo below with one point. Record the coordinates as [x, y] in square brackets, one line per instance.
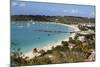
[62, 19]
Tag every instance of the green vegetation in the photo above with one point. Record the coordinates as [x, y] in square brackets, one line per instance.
[61, 19]
[85, 28]
[58, 54]
[17, 58]
[73, 50]
[39, 60]
[35, 50]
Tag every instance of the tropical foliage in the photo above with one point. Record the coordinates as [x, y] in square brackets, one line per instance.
[58, 54]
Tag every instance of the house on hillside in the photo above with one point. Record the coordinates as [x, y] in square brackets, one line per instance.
[87, 24]
[81, 38]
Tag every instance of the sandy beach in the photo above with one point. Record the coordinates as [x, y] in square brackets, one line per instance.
[30, 54]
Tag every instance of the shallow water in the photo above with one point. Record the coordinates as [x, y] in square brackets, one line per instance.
[23, 35]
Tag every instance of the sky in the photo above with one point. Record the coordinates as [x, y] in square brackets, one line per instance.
[51, 9]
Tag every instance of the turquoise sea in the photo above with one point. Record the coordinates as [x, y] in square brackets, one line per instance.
[24, 37]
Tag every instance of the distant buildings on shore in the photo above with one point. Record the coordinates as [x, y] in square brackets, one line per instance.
[87, 24]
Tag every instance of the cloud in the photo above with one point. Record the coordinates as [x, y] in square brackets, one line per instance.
[22, 4]
[14, 3]
[74, 11]
[65, 11]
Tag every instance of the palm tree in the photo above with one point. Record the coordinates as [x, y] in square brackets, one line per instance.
[17, 58]
[65, 43]
[71, 40]
[42, 52]
[35, 50]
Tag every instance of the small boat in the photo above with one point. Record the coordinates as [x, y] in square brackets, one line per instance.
[48, 34]
[33, 22]
[28, 24]
[20, 26]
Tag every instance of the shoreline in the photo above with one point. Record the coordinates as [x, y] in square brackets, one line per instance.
[53, 44]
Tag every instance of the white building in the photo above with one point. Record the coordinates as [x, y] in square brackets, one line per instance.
[87, 32]
[81, 38]
[87, 24]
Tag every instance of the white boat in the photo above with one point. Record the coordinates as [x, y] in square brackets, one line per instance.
[20, 26]
[28, 24]
[32, 22]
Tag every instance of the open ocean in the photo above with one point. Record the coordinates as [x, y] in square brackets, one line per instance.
[24, 37]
